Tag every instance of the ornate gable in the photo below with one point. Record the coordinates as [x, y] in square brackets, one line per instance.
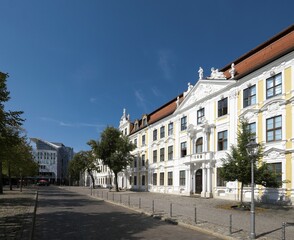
[203, 89]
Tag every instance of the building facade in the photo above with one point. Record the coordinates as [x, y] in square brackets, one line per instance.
[52, 159]
[180, 146]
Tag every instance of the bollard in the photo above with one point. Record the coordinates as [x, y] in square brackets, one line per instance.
[283, 231]
[129, 200]
[153, 206]
[195, 215]
[139, 203]
[231, 223]
[171, 210]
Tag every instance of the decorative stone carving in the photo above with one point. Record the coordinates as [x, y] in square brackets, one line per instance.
[200, 71]
[232, 70]
[273, 107]
[273, 154]
[215, 74]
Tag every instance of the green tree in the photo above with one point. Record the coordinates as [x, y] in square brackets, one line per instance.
[237, 163]
[83, 161]
[8, 120]
[114, 149]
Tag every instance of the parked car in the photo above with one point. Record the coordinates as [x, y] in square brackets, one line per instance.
[43, 182]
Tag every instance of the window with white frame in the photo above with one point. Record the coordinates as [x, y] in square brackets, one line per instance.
[161, 154]
[161, 179]
[182, 178]
[170, 178]
[170, 152]
[222, 140]
[276, 168]
[199, 145]
[222, 107]
[200, 116]
[143, 180]
[154, 134]
[274, 86]
[183, 149]
[154, 179]
[183, 123]
[154, 156]
[249, 96]
[274, 129]
[143, 160]
[162, 132]
[170, 129]
[143, 140]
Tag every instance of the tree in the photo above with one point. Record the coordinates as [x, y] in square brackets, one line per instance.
[83, 161]
[237, 164]
[114, 150]
[8, 120]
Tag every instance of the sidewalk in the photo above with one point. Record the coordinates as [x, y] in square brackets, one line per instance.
[211, 215]
[16, 212]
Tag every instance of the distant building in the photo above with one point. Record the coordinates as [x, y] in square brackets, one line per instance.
[52, 158]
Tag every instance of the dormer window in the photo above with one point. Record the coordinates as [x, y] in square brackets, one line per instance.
[144, 120]
[136, 125]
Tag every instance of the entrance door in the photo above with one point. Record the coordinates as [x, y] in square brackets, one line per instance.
[198, 181]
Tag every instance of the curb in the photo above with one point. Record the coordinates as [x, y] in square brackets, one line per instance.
[34, 217]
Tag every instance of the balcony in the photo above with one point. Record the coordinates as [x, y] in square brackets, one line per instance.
[198, 157]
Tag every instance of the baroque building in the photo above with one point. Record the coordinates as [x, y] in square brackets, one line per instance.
[180, 145]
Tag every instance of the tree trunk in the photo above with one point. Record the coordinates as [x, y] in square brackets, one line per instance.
[9, 175]
[1, 178]
[92, 177]
[241, 193]
[116, 182]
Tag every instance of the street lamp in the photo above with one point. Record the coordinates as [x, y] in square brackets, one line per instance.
[252, 148]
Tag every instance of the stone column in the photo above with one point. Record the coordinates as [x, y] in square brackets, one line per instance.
[204, 177]
[209, 177]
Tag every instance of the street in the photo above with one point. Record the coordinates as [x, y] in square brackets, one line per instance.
[66, 215]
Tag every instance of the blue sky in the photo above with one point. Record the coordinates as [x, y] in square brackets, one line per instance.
[74, 65]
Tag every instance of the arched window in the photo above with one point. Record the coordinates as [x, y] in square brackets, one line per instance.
[199, 145]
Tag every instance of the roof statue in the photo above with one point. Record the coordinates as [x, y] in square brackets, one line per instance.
[215, 74]
[232, 71]
[200, 71]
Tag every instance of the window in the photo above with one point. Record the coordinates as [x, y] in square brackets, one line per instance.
[135, 180]
[200, 116]
[170, 129]
[274, 129]
[274, 86]
[222, 140]
[183, 149]
[222, 107]
[143, 160]
[161, 179]
[199, 145]
[183, 123]
[249, 96]
[144, 121]
[252, 130]
[143, 180]
[135, 142]
[143, 140]
[135, 161]
[136, 126]
[161, 154]
[170, 178]
[154, 179]
[125, 131]
[155, 156]
[162, 132]
[277, 169]
[170, 152]
[182, 178]
[220, 181]
[155, 135]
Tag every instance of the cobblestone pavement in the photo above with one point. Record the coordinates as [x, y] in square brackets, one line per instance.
[212, 215]
[16, 212]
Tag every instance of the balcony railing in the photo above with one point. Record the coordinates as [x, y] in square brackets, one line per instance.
[196, 157]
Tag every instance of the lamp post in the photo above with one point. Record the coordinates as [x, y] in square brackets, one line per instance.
[252, 148]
